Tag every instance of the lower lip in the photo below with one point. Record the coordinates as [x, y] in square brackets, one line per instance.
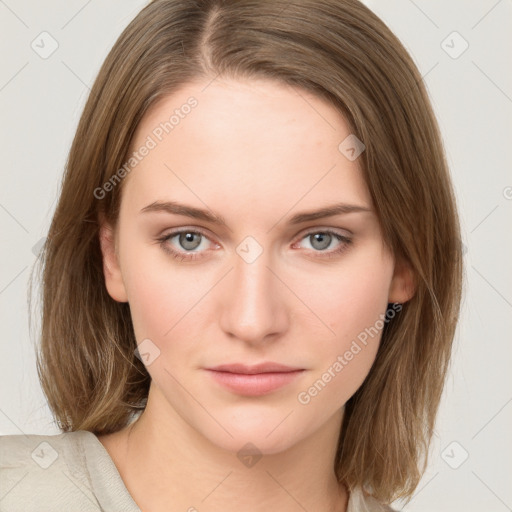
[254, 385]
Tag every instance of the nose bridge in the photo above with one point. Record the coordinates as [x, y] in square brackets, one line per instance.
[254, 306]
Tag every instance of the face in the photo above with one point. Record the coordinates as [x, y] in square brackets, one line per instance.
[250, 279]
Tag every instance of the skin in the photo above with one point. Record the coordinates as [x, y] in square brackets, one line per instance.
[256, 153]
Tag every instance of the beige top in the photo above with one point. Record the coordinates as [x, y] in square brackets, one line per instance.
[73, 472]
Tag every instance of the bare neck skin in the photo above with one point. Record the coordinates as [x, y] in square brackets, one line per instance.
[166, 465]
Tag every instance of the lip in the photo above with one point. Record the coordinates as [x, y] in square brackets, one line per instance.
[255, 380]
[266, 367]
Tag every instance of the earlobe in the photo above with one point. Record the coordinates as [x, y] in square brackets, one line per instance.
[403, 285]
[111, 268]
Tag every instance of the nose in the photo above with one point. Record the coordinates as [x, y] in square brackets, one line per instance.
[254, 305]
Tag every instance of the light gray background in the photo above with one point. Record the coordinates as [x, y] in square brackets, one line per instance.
[41, 100]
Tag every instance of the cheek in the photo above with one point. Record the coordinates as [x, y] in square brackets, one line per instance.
[355, 314]
[162, 304]
[348, 300]
[161, 297]
[164, 309]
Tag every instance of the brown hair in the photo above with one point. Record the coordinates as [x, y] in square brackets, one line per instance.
[345, 54]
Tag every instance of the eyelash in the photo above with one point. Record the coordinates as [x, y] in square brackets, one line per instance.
[191, 256]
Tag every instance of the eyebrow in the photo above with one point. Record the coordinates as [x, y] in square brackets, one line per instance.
[173, 207]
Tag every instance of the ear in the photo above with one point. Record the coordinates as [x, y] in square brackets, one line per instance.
[403, 286]
[111, 269]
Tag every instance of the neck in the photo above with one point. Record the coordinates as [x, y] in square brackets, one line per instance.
[176, 468]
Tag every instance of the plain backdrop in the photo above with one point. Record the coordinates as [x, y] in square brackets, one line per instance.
[463, 50]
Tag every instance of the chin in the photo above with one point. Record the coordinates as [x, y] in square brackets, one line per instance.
[268, 433]
[255, 443]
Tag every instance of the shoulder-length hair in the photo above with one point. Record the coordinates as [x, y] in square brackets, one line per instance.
[342, 52]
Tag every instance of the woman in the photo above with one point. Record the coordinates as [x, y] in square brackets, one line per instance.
[249, 297]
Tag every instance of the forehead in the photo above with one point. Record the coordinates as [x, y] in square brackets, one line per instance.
[257, 142]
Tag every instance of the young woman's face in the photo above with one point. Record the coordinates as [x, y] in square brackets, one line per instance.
[265, 285]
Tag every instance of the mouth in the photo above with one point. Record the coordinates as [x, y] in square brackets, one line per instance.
[266, 367]
[255, 380]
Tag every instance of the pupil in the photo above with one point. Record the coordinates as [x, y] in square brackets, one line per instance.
[187, 240]
[323, 239]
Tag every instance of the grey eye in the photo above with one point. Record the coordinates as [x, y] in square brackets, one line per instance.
[186, 240]
[320, 240]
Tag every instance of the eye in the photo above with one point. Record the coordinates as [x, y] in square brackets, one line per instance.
[320, 240]
[188, 241]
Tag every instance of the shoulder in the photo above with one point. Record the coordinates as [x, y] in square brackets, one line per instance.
[362, 502]
[45, 472]
[42, 451]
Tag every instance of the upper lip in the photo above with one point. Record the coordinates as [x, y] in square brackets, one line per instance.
[267, 367]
